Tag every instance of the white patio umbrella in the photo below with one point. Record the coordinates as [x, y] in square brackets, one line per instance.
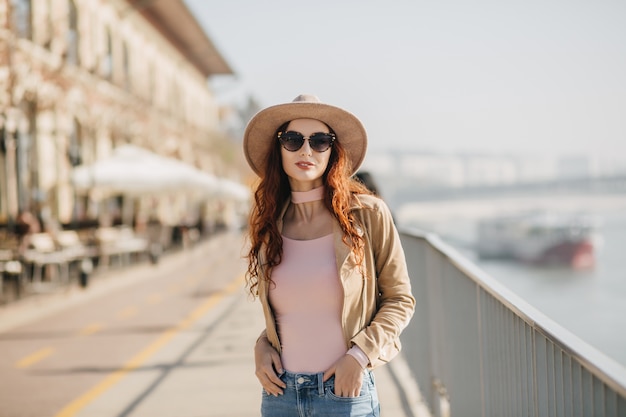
[134, 170]
[233, 190]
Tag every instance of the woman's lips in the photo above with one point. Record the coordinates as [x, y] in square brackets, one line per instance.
[304, 164]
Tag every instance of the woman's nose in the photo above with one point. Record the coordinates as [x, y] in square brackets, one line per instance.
[306, 147]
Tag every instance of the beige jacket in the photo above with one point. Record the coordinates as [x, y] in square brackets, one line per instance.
[376, 307]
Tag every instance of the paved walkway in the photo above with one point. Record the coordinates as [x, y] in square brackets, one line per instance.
[212, 371]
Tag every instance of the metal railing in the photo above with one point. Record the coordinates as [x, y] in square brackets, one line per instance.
[477, 349]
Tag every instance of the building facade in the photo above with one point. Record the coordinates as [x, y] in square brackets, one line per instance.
[79, 78]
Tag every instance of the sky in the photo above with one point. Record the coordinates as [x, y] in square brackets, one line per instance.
[527, 77]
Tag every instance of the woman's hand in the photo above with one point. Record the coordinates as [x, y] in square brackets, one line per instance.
[267, 361]
[348, 376]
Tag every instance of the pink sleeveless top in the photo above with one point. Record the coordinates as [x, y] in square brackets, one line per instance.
[307, 301]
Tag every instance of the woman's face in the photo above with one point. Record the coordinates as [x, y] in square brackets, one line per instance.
[305, 167]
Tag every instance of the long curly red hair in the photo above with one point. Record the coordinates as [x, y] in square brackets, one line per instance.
[272, 194]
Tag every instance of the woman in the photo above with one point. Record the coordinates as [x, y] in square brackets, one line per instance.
[326, 262]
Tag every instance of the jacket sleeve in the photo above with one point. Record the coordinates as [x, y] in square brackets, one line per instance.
[390, 288]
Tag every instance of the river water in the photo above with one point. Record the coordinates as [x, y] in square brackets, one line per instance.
[589, 303]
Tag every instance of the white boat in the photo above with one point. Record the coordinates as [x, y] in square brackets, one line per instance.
[543, 238]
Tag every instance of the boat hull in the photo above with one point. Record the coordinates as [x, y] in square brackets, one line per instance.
[579, 255]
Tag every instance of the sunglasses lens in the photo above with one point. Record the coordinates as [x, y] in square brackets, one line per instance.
[292, 141]
[320, 142]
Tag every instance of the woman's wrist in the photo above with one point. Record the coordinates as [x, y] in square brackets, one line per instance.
[359, 355]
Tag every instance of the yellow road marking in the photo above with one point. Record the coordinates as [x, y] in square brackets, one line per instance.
[127, 312]
[34, 358]
[91, 329]
[81, 402]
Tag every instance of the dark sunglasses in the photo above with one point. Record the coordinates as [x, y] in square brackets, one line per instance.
[319, 142]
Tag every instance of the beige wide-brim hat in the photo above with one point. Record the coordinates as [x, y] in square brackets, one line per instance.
[260, 133]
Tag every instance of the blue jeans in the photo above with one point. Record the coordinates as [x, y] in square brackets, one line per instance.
[307, 395]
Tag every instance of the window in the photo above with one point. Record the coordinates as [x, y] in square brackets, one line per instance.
[126, 64]
[174, 99]
[27, 167]
[74, 151]
[73, 36]
[49, 28]
[22, 18]
[107, 61]
[151, 84]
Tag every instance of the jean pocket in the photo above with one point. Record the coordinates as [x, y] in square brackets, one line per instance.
[364, 396]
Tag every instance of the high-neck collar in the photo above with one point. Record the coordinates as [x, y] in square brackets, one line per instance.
[315, 194]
